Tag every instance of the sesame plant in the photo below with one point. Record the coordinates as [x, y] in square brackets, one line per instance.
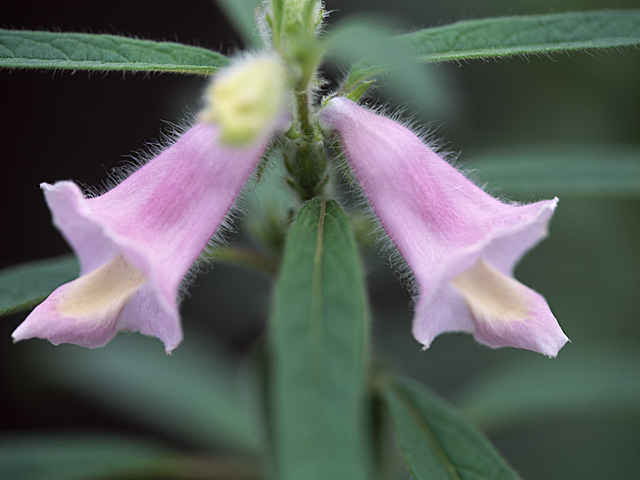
[333, 170]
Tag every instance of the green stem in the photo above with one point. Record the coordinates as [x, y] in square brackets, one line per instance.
[305, 157]
[304, 115]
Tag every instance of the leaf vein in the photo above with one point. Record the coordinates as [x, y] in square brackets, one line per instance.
[423, 425]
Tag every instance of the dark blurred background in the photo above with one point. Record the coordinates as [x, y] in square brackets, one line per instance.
[63, 125]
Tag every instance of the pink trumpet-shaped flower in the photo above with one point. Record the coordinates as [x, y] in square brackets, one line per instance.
[460, 243]
[137, 241]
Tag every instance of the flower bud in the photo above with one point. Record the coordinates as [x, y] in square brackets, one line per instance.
[246, 99]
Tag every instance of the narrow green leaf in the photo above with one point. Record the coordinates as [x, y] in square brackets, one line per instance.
[26, 285]
[319, 351]
[437, 442]
[515, 35]
[527, 34]
[370, 47]
[591, 382]
[581, 171]
[80, 456]
[84, 51]
[242, 14]
[195, 395]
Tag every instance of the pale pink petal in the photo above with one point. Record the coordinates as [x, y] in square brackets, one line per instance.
[443, 225]
[158, 221]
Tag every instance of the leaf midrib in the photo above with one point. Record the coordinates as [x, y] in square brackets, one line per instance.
[428, 432]
[316, 314]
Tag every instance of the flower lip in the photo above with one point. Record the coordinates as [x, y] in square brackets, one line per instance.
[465, 258]
[103, 287]
[86, 310]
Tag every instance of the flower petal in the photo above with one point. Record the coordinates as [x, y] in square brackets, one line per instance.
[506, 312]
[158, 221]
[85, 311]
[441, 222]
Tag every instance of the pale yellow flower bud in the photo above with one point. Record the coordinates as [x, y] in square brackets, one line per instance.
[247, 98]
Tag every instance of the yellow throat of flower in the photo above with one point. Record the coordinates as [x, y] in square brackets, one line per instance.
[491, 295]
[102, 292]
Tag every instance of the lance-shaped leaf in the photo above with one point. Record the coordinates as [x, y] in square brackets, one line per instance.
[527, 34]
[566, 170]
[592, 382]
[242, 14]
[26, 285]
[515, 35]
[436, 440]
[372, 49]
[319, 351]
[80, 456]
[197, 395]
[84, 51]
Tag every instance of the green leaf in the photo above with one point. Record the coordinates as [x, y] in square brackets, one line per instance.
[242, 14]
[524, 35]
[26, 285]
[370, 47]
[195, 395]
[437, 442]
[581, 171]
[319, 351]
[84, 51]
[81, 456]
[588, 383]
[485, 38]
